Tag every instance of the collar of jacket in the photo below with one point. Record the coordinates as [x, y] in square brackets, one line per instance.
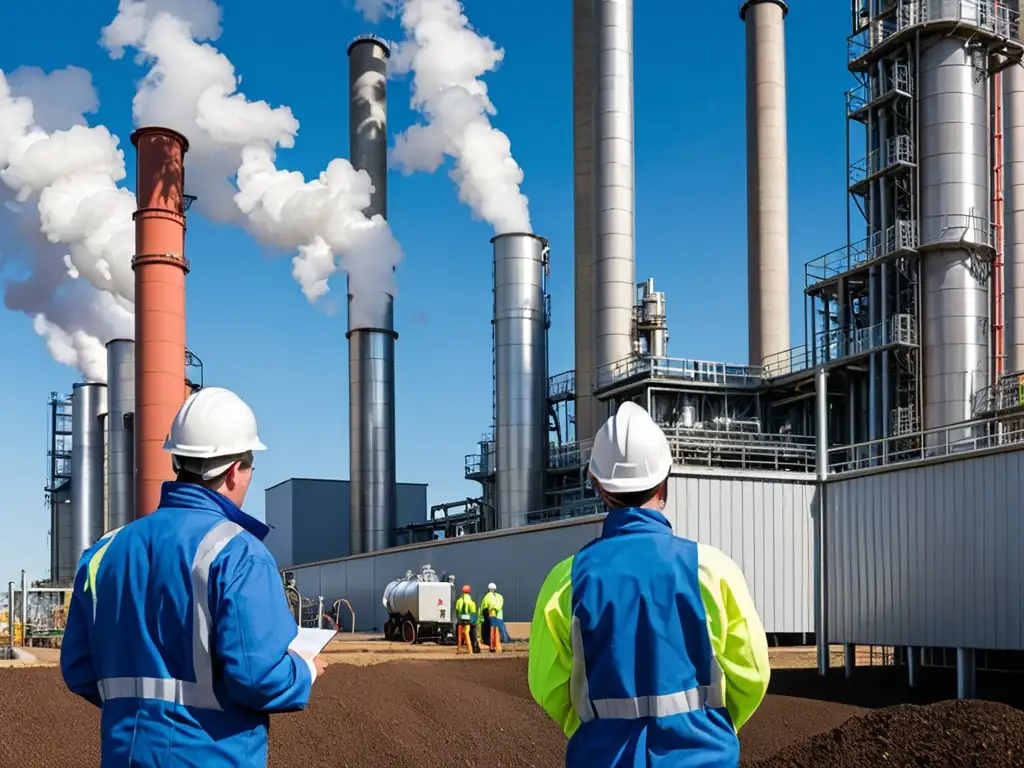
[192, 496]
[635, 520]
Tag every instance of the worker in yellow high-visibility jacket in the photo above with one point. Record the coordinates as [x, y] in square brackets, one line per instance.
[494, 604]
[466, 617]
[645, 647]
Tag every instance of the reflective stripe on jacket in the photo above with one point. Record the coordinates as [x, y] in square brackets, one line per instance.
[179, 629]
[647, 649]
[465, 610]
[494, 603]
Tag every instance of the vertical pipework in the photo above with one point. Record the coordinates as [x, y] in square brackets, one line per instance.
[160, 267]
[614, 266]
[520, 376]
[767, 190]
[584, 79]
[371, 351]
[1013, 216]
[120, 435]
[88, 406]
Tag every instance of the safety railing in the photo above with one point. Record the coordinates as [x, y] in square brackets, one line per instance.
[842, 260]
[957, 229]
[792, 360]
[1005, 394]
[562, 385]
[993, 16]
[698, 371]
[899, 150]
[569, 455]
[956, 439]
[738, 449]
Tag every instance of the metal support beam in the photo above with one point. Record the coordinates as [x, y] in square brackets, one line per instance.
[849, 658]
[966, 674]
[913, 665]
[820, 569]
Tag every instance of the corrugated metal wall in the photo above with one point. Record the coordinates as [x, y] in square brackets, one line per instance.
[763, 523]
[928, 555]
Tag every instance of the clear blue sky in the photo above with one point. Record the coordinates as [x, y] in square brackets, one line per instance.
[258, 335]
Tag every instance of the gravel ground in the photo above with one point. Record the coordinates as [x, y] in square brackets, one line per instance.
[432, 714]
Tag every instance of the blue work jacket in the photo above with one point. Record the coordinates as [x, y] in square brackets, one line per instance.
[628, 644]
[179, 630]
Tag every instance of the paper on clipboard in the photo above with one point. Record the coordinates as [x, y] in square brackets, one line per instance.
[310, 642]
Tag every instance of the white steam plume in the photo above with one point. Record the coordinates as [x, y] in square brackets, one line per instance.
[375, 10]
[447, 59]
[63, 216]
[193, 88]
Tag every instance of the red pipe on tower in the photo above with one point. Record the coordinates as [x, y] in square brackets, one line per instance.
[160, 267]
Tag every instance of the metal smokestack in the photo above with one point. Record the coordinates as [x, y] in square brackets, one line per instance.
[767, 191]
[371, 351]
[1013, 214]
[614, 257]
[520, 375]
[88, 406]
[584, 81]
[120, 432]
[160, 268]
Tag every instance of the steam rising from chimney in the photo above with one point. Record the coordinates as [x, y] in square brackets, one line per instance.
[447, 59]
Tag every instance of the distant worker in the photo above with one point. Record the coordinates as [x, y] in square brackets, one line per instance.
[494, 604]
[179, 627]
[658, 635]
[466, 617]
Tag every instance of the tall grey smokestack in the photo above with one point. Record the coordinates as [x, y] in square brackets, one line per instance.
[614, 274]
[371, 351]
[584, 82]
[88, 407]
[120, 432]
[767, 190]
[1013, 216]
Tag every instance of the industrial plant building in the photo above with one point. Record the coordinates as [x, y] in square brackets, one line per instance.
[866, 482]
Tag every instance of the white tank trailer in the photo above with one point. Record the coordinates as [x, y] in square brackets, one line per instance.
[420, 607]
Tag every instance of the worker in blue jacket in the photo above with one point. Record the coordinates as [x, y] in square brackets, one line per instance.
[645, 647]
[178, 627]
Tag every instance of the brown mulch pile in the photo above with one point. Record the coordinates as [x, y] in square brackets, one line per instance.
[440, 714]
[979, 734]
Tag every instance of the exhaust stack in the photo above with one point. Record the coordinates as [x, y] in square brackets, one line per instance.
[767, 191]
[88, 407]
[371, 351]
[120, 432]
[160, 268]
[1013, 213]
[520, 376]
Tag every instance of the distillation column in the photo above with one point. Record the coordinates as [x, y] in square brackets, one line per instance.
[955, 225]
[1013, 212]
[614, 267]
[371, 351]
[584, 81]
[160, 267]
[88, 407]
[520, 376]
[120, 433]
[767, 181]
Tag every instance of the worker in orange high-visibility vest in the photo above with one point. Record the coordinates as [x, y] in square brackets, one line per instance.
[465, 616]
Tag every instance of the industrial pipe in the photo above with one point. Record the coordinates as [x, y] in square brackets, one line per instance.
[88, 406]
[373, 490]
[160, 267]
[120, 432]
[767, 181]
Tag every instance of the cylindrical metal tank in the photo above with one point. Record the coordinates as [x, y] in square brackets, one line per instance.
[66, 560]
[520, 376]
[121, 436]
[1013, 213]
[614, 256]
[767, 180]
[584, 84]
[955, 227]
[373, 490]
[160, 267]
[88, 407]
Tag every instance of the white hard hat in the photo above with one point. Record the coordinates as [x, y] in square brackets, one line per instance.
[630, 452]
[492, 586]
[213, 422]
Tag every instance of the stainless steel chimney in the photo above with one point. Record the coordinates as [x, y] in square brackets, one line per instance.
[371, 351]
[520, 375]
[88, 407]
[767, 184]
[120, 432]
[1013, 215]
